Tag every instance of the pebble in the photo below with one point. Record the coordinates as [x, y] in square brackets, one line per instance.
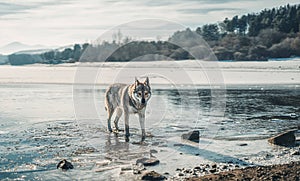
[126, 168]
[180, 174]
[213, 170]
[224, 167]
[197, 168]
[153, 151]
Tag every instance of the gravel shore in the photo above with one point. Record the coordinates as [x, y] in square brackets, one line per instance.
[289, 171]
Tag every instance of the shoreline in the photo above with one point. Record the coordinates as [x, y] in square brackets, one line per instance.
[161, 73]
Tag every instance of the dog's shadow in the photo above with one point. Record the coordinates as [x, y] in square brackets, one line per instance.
[113, 143]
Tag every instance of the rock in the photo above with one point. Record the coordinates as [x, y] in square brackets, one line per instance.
[152, 175]
[138, 168]
[213, 170]
[192, 136]
[136, 172]
[64, 165]
[153, 151]
[180, 174]
[243, 144]
[126, 168]
[147, 161]
[224, 167]
[284, 139]
[188, 171]
[214, 166]
[197, 168]
[295, 152]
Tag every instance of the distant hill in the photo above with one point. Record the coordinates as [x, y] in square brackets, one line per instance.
[17, 46]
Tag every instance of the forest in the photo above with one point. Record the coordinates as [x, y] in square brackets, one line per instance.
[271, 33]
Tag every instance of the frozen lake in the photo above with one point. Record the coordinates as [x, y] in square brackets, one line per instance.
[39, 127]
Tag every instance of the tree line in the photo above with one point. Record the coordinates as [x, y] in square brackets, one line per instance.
[271, 33]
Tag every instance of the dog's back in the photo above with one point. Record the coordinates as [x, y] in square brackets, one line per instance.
[113, 96]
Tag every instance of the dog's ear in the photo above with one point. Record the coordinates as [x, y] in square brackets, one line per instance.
[136, 83]
[146, 81]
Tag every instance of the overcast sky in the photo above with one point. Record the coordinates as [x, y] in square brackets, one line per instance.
[63, 22]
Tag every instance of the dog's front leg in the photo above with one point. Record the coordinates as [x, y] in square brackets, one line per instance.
[126, 117]
[142, 124]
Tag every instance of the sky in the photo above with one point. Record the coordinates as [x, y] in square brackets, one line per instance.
[65, 22]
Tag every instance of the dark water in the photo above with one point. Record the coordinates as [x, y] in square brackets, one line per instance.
[39, 127]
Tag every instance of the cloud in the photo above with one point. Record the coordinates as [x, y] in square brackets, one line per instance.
[208, 10]
[14, 7]
[67, 21]
[8, 8]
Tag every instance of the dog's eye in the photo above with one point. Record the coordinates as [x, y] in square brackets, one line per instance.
[146, 94]
[139, 94]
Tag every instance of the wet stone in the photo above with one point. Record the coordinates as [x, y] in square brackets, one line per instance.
[126, 168]
[152, 175]
[192, 136]
[214, 166]
[197, 168]
[147, 161]
[153, 151]
[64, 165]
[224, 167]
[284, 139]
[295, 153]
[213, 170]
[180, 174]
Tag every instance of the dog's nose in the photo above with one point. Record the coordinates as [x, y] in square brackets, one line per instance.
[143, 101]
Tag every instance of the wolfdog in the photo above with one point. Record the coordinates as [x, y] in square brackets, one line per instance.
[129, 99]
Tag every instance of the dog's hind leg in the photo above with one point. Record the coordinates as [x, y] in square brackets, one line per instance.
[119, 112]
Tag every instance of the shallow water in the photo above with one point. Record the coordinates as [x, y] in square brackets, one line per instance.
[44, 123]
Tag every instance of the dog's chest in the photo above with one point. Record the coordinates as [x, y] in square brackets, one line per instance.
[133, 110]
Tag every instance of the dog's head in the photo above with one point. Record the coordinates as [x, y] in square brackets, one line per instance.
[142, 91]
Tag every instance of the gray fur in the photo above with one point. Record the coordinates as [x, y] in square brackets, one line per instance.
[127, 99]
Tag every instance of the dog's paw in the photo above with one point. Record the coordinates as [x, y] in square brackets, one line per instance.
[116, 131]
[127, 139]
